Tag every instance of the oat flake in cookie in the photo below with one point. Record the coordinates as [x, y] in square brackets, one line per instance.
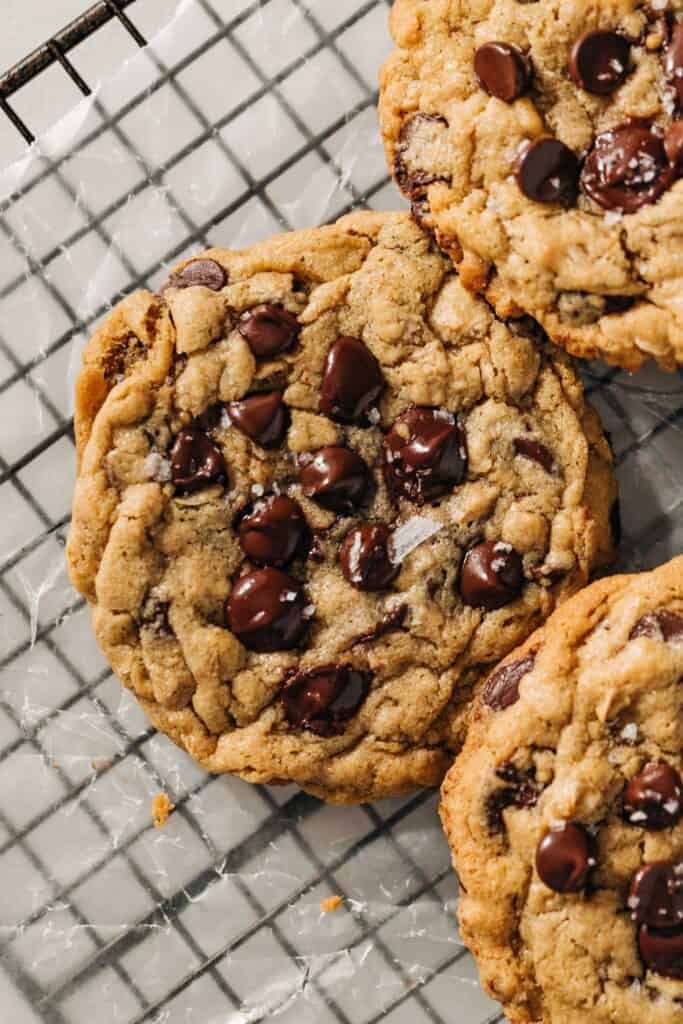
[541, 141]
[322, 490]
[564, 812]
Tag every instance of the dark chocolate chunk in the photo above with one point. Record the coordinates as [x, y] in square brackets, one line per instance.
[521, 790]
[366, 557]
[195, 461]
[419, 131]
[653, 798]
[336, 478]
[352, 381]
[564, 858]
[425, 455]
[548, 172]
[627, 168]
[656, 897]
[269, 330]
[492, 575]
[535, 451]
[324, 699]
[673, 63]
[502, 70]
[262, 417]
[502, 687]
[272, 530]
[662, 950]
[599, 61]
[660, 625]
[206, 273]
[266, 611]
[673, 144]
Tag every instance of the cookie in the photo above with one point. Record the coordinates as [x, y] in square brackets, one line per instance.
[565, 812]
[321, 490]
[540, 142]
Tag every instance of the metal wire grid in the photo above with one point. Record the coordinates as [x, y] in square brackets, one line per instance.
[208, 979]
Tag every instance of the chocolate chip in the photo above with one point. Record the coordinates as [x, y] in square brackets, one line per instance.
[492, 575]
[656, 897]
[673, 63]
[393, 619]
[366, 557]
[195, 461]
[204, 273]
[535, 451]
[673, 144]
[548, 172]
[653, 797]
[627, 168]
[564, 858]
[661, 625]
[521, 790]
[662, 950]
[266, 611]
[420, 133]
[336, 478]
[599, 61]
[425, 455]
[272, 530]
[323, 699]
[262, 417]
[502, 688]
[503, 70]
[352, 381]
[269, 330]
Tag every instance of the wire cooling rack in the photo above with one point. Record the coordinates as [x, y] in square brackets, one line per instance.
[239, 120]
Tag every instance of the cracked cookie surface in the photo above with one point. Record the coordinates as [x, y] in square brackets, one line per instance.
[541, 142]
[565, 812]
[321, 490]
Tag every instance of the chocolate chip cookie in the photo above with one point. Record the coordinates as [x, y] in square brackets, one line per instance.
[542, 143]
[322, 489]
[565, 812]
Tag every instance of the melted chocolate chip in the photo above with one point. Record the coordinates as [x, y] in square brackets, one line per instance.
[323, 699]
[673, 145]
[272, 530]
[653, 799]
[599, 61]
[352, 381]
[195, 461]
[336, 478]
[412, 181]
[503, 70]
[660, 625]
[662, 950]
[366, 557]
[673, 63]
[502, 688]
[262, 417]
[266, 611]
[269, 330]
[424, 455]
[521, 790]
[656, 897]
[548, 172]
[627, 168]
[204, 273]
[492, 575]
[535, 451]
[387, 624]
[564, 858]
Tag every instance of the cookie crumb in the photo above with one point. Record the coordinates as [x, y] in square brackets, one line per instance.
[162, 808]
[331, 904]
